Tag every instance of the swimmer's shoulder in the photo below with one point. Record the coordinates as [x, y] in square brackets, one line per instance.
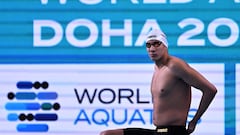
[176, 64]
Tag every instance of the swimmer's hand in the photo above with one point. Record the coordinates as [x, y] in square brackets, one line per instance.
[191, 126]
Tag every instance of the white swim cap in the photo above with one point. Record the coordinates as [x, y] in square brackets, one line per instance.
[157, 34]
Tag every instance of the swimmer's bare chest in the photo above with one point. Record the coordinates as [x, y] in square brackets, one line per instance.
[169, 93]
[163, 82]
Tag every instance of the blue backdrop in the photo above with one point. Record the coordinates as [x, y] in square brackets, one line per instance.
[113, 31]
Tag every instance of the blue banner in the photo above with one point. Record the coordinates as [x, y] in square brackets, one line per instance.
[51, 40]
[113, 31]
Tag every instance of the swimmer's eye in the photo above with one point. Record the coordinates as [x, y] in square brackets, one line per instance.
[155, 44]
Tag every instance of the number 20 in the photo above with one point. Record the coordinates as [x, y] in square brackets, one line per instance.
[186, 38]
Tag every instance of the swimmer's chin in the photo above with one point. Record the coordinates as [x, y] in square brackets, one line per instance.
[153, 56]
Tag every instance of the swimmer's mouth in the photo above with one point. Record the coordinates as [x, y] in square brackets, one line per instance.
[153, 55]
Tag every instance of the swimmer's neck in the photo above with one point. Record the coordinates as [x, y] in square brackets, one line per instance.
[162, 61]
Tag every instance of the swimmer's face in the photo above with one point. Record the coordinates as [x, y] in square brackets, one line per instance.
[155, 49]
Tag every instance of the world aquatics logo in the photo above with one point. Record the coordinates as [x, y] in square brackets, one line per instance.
[30, 105]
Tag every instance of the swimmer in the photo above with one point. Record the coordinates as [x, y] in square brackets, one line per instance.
[171, 92]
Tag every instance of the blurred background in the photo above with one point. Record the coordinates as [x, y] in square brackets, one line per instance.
[80, 66]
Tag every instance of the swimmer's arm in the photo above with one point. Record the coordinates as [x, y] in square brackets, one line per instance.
[195, 79]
